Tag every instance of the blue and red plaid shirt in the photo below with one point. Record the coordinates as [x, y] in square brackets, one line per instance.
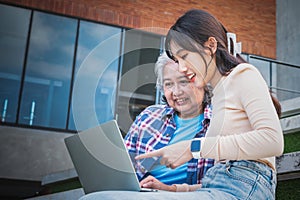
[153, 129]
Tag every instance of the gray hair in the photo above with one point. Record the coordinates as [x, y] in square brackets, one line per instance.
[161, 62]
[208, 94]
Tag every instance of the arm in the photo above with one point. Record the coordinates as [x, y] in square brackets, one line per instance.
[145, 135]
[131, 137]
[172, 155]
[187, 188]
[131, 141]
[251, 128]
[153, 183]
[263, 139]
[267, 133]
[136, 131]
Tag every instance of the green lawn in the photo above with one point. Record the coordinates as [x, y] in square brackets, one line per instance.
[289, 190]
[292, 142]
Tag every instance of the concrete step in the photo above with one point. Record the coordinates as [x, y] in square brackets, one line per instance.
[290, 118]
[66, 195]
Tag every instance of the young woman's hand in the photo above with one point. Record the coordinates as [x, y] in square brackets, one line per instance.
[173, 155]
[153, 183]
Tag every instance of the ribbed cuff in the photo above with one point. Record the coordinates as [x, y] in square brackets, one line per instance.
[182, 187]
[186, 188]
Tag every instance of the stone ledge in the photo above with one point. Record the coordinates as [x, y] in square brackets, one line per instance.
[289, 162]
[290, 107]
[290, 124]
[59, 176]
[66, 195]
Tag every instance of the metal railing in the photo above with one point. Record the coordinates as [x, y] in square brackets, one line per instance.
[283, 78]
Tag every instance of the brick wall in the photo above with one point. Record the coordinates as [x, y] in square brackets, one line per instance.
[254, 21]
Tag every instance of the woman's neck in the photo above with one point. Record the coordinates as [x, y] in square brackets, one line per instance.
[216, 78]
[190, 115]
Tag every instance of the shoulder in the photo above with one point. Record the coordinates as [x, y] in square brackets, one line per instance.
[245, 72]
[244, 68]
[149, 114]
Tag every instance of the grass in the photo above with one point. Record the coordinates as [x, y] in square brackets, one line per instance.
[288, 190]
[292, 142]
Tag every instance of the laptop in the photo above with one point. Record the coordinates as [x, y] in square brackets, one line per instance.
[101, 159]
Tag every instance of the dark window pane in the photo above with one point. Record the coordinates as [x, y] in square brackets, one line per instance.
[137, 89]
[46, 91]
[93, 99]
[14, 23]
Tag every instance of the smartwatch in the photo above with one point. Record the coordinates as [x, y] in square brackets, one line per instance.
[195, 148]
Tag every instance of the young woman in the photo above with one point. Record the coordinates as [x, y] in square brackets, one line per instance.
[244, 134]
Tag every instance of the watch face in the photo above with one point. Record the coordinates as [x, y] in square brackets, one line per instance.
[195, 145]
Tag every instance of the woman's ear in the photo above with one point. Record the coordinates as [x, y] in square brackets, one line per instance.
[212, 44]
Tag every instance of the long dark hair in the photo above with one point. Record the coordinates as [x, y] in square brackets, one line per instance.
[193, 29]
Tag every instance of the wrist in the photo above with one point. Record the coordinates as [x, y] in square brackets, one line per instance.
[172, 188]
[181, 187]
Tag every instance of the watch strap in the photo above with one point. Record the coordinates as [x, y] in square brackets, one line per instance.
[196, 153]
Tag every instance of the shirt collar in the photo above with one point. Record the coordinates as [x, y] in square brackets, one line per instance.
[169, 112]
[208, 112]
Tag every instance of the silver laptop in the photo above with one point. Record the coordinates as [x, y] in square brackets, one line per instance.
[101, 159]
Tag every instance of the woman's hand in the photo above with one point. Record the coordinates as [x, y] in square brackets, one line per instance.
[153, 183]
[173, 155]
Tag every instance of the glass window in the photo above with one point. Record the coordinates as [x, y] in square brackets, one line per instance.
[97, 61]
[14, 23]
[137, 89]
[46, 91]
[263, 67]
[286, 77]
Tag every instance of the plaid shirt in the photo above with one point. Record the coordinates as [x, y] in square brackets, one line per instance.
[153, 129]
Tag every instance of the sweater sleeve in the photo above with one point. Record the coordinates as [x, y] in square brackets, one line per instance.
[187, 188]
[265, 139]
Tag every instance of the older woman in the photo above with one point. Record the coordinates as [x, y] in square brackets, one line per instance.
[185, 116]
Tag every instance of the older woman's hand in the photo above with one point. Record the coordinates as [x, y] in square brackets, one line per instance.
[153, 183]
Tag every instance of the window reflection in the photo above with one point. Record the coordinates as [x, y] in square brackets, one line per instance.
[263, 67]
[93, 99]
[46, 89]
[286, 88]
[14, 23]
[137, 89]
[49, 69]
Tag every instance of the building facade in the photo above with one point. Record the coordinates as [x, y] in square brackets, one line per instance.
[68, 65]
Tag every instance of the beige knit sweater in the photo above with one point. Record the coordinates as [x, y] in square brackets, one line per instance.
[245, 125]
